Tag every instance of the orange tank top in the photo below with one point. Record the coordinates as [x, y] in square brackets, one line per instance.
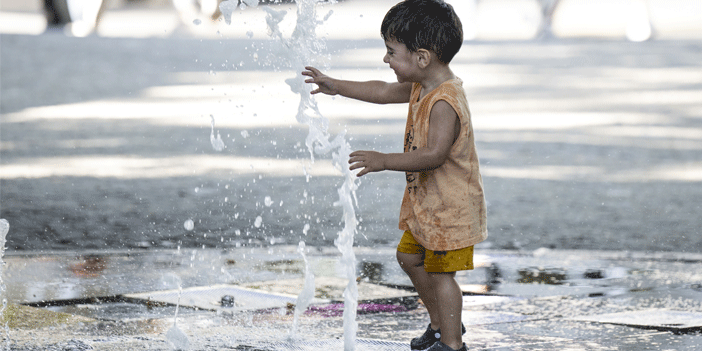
[444, 208]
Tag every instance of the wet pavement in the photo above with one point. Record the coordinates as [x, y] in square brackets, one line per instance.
[244, 299]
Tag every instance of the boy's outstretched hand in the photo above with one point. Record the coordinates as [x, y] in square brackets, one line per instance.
[370, 161]
[325, 84]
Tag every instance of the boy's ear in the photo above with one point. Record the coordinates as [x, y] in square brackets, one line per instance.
[423, 58]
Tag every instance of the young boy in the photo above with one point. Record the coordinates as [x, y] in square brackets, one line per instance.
[443, 212]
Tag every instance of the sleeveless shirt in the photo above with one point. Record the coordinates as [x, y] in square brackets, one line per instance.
[444, 208]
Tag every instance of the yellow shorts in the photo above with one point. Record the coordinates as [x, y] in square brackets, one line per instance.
[437, 261]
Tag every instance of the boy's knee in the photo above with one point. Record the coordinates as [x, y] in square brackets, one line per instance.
[409, 261]
[440, 276]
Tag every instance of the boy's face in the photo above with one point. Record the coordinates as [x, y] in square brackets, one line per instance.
[402, 61]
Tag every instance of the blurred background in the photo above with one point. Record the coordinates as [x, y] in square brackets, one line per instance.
[161, 124]
[636, 20]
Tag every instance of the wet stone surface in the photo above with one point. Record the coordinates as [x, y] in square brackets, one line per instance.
[567, 318]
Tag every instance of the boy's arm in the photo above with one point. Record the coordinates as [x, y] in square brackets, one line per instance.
[444, 126]
[372, 91]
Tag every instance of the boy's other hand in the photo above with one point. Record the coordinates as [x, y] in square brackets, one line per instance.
[325, 84]
[370, 161]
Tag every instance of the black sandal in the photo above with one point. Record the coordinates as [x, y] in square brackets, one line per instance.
[429, 338]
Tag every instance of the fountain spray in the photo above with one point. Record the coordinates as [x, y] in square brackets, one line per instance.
[301, 49]
[4, 229]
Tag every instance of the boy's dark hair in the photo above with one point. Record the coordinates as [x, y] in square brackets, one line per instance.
[425, 24]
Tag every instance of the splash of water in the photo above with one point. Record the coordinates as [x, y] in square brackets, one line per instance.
[307, 293]
[175, 336]
[4, 229]
[344, 242]
[303, 48]
[178, 339]
[217, 143]
[227, 8]
[300, 49]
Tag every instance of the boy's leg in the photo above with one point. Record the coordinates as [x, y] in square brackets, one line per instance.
[449, 303]
[413, 265]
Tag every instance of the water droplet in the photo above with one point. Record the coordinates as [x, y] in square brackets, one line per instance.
[227, 8]
[217, 143]
[177, 338]
[258, 222]
[189, 225]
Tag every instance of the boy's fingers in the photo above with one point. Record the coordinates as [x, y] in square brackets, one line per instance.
[358, 174]
[355, 159]
[356, 166]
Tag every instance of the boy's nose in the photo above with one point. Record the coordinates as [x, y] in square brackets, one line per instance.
[386, 59]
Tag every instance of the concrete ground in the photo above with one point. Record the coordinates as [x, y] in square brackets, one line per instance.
[584, 143]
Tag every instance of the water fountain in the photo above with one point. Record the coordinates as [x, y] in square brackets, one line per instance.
[175, 336]
[4, 229]
[300, 49]
[306, 295]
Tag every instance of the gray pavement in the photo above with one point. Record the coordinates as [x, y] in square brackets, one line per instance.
[583, 144]
[590, 150]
